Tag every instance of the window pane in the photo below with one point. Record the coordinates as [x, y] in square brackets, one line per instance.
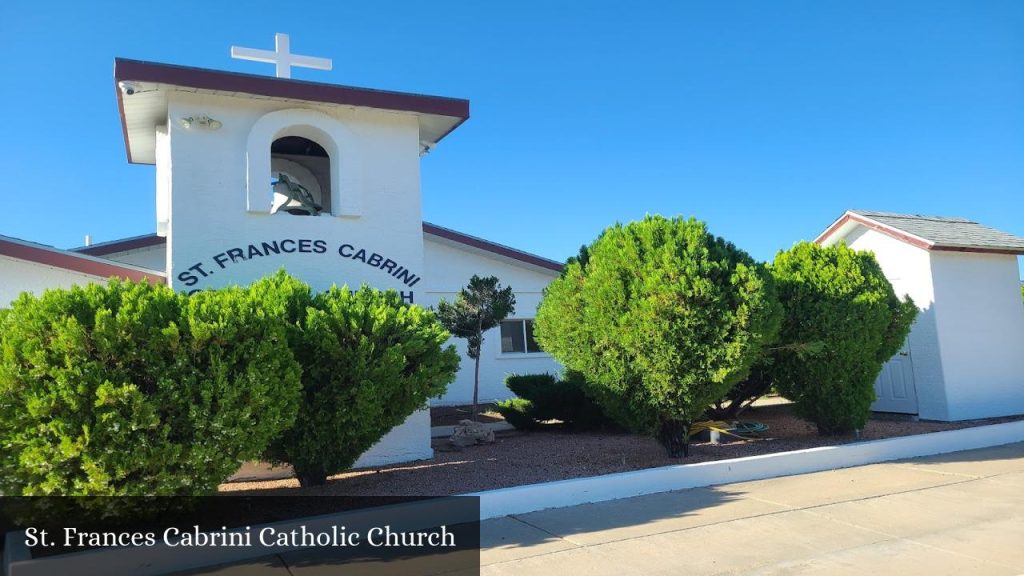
[531, 344]
[512, 336]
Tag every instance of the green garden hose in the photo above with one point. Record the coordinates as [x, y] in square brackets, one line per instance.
[744, 430]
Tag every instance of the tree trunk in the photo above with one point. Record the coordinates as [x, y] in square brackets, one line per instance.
[476, 387]
[311, 476]
[742, 395]
[674, 437]
[476, 372]
[829, 430]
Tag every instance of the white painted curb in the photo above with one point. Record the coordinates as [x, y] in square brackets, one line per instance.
[562, 493]
[161, 559]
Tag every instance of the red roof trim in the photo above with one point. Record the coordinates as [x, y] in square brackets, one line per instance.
[203, 78]
[876, 226]
[493, 247]
[892, 232]
[123, 245]
[978, 249]
[833, 228]
[71, 261]
[428, 228]
[903, 237]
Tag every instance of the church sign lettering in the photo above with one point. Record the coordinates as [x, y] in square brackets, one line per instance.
[196, 272]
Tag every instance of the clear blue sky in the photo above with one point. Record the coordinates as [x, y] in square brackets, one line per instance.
[765, 119]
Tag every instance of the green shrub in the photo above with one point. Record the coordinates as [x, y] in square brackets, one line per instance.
[841, 298]
[131, 389]
[518, 412]
[369, 361]
[552, 399]
[662, 319]
[537, 389]
[578, 408]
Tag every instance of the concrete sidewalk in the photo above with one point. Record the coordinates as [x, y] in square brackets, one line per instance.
[959, 513]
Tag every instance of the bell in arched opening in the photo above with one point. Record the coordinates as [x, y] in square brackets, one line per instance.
[300, 172]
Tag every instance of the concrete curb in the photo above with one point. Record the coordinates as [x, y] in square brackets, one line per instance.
[562, 493]
[17, 560]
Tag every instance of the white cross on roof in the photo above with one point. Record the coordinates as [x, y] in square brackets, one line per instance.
[281, 57]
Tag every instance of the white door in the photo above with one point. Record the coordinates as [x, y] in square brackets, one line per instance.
[894, 388]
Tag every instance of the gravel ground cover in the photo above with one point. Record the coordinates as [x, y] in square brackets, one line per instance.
[518, 458]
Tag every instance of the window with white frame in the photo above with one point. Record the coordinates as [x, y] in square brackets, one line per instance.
[517, 336]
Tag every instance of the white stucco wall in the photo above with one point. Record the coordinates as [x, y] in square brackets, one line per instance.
[220, 200]
[210, 207]
[449, 268]
[406, 442]
[17, 276]
[981, 333]
[967, 344]
[908, 269]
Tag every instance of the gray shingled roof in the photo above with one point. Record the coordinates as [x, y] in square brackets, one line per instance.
[944, 232]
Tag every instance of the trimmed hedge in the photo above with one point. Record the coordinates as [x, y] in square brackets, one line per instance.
[539, 391]
[369, 361]
[841, 298]
[542, 397]
[518, 412]
[132, 389]
[662, 318]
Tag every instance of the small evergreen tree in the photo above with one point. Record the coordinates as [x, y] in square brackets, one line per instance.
[841, 298]
[478, 307]
[368, 362]
[661, 318]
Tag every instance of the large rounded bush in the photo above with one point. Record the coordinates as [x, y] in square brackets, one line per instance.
[661, 318]
[840, 298]
[369, 361]
[132, 389]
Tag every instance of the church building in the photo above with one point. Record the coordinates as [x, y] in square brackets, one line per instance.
[258, 173]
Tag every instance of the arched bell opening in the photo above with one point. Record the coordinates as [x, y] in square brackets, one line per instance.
[300, 176]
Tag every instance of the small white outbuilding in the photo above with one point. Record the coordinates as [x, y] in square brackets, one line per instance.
[964, 357]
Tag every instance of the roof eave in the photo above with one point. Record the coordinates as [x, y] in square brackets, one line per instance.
[492, 247]
[121, 245]
[76, 262]
[456, 109]
[850, 217]
[1007, 250]
[428, 228]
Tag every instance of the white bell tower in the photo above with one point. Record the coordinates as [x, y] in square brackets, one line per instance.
[257, 173]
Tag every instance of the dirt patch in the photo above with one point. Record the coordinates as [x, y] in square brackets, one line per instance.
[518, 458]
